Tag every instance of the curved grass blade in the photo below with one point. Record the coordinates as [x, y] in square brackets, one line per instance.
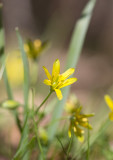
[26, 69]
[26, 88]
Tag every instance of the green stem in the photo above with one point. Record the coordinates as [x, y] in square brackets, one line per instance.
[88, 142]
[69, 147]
[25, 86]
[62, 146]
[35, 126]
[7, 85]
[43, 102]
[38, 140]
[18, 122]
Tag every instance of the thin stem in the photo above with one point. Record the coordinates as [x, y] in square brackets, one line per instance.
[38, 140]
[43, 102]
[18, 122]
[35, 126]
[69, 147]
[88, 145]
[7, 85]
[62, 146]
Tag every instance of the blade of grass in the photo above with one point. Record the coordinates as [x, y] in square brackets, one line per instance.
[75, 48]
[63, 149]
[26, 69]
[26, 87]
[25, 146]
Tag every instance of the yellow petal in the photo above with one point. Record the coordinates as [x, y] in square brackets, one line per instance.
[111, 116]
[47, 73]
[56, 68]
[67, 73]
[81, 139]
[37, 43]
[109, 101]
[68, 82]
[47, 82]
[26, 47]
[59, 94]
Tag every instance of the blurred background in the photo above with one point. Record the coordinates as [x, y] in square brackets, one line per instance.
[54, 20]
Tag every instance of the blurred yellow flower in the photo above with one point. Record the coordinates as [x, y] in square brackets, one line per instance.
[78, 120]
[14, 67]
[57, 80]
[109, 102]
[71, 104]
[34, 48]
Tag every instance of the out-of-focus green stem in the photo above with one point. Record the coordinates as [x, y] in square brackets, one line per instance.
[43, 102]
[88, 144]
[25, 89]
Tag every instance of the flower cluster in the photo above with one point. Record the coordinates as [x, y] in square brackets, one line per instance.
[56, 81]
[78, 120]
[109, 102]
[34, 48]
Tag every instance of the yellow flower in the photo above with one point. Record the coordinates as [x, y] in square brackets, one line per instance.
[14, 67]
[71, 104]
[34, 48]
[57, 80]
[78, 120]
[109, 102]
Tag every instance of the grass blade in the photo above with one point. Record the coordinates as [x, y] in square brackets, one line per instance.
[26, 69]
[26, 88]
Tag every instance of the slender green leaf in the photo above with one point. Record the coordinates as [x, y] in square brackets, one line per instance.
[22, 148]
[25, 147]
[26, 88]
[26, 68]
